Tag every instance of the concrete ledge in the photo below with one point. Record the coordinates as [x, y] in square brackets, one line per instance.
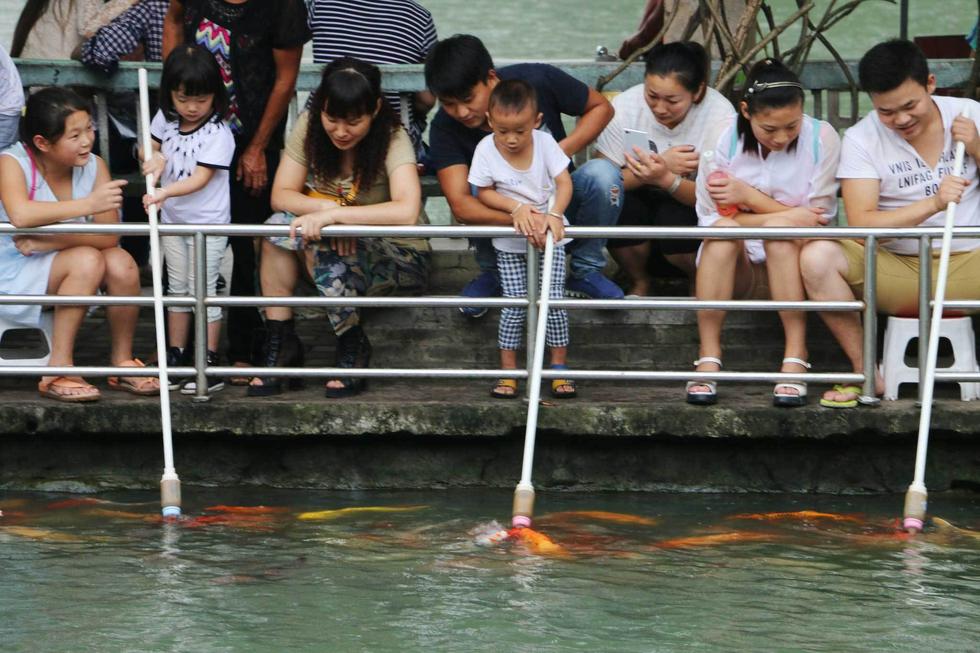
[437, 435]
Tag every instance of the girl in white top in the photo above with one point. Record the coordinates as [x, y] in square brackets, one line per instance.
[682, 117]
[52, 176]
[777, 169]
[193, 149]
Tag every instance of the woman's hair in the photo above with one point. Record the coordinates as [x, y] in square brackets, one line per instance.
[29, 15]
[46, 113]
[770, 85]
[350, 88]
[685, 60]
[193, 69]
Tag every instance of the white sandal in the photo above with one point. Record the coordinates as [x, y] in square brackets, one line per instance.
[700, 397]
[783, 399]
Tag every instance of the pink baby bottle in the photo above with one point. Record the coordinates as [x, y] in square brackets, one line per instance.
[716, 173]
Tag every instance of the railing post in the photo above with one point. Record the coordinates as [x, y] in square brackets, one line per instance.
[925, 309]
[533, 295]
[200, 316]
[870, 349]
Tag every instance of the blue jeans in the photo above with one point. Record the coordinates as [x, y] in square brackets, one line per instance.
[8, 131]
[597, 199]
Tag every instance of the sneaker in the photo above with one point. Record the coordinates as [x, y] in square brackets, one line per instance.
[485, 284]
[176, 357]
[215, 383]
[593, 286]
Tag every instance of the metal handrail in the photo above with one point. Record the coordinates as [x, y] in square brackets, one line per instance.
[201, 301]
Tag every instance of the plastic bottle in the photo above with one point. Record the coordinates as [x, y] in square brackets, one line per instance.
[717, 173]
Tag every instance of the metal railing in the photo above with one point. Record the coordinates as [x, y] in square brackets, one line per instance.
[200, 301]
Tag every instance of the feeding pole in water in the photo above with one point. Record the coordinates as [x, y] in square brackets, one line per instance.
[524, 493]
[916, 496]
[169, 483]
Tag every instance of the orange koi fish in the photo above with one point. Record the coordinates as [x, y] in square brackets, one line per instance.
[122, 514]
[360, 510]
[254, 522]
[602, 515]
[75, 503]
[248, 510]
[800, 515]
[734, 537]
[537, 542]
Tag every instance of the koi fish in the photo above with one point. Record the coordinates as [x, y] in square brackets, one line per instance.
[254, 522]
[944, 526]
[537, 542]
[602, 515]
[324, 515]
[40, 534]
[122, 514]
[75, 503]
[800, 515]
[735, 537]
[13, 503]
[248, 510]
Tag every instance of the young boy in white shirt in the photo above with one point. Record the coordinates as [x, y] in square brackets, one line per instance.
[896, 171]
[519, 169]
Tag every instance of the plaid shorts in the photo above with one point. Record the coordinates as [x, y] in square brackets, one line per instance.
[512, 269]
[380, 267]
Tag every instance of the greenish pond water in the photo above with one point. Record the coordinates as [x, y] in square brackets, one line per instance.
[686, 574]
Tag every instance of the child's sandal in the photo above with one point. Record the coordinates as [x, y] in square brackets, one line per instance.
[701, 397]
[569, 391]
[504, 389]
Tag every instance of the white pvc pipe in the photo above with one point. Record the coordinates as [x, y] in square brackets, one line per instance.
[916, 496]
[524, 494]
[169, 483]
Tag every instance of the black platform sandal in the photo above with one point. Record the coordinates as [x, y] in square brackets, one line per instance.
[282, 348]
[353, 350]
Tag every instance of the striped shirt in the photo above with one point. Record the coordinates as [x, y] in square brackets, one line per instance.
[375, 31]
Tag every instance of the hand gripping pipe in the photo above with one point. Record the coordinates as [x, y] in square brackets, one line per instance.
[169, 483]
[916, 497]
[524, 493]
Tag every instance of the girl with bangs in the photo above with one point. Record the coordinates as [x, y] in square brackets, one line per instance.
[347, 162]
[773, 166]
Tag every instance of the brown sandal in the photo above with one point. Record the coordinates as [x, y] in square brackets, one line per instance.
[59, 388]
[145, 386]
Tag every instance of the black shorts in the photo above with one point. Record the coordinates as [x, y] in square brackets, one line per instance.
[653, 207]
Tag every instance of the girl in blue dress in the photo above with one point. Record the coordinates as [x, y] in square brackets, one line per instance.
[51, 176]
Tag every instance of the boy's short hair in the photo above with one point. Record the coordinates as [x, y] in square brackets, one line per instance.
[513, 96]
[457, 64]
[887, 65]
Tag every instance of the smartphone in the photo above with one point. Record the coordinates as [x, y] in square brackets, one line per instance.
[636, 138]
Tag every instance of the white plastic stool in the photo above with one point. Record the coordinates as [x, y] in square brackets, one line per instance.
[901, 330]
[47, 318]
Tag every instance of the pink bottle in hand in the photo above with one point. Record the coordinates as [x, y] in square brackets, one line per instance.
[716, 173]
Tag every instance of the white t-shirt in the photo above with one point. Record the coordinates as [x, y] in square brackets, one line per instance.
[533, 186]
[11, 90]
[699, 128]
[873, 151]
[803, 176]
[211, 145]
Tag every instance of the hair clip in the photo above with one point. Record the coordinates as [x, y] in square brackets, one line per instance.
[758, 87]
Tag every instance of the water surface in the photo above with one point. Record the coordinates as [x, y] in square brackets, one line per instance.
[687, 576]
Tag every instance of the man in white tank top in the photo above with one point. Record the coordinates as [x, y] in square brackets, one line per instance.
[896, 170]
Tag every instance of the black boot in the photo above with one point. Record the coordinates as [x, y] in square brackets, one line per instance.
[282, 348]
[353, 350]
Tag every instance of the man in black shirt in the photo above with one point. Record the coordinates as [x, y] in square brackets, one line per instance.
[460, 72]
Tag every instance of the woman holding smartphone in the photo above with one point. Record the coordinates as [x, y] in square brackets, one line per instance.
[680, 116]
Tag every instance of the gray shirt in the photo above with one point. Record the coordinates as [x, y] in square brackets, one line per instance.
[11, 91]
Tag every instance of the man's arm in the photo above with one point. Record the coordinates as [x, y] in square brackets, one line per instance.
[466, 208]
[597, 114]
[252, 165]
[173, 27]
[861, 203]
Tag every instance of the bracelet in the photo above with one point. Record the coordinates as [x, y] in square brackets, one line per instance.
[674, 185]
[516, 209]
[556, 215]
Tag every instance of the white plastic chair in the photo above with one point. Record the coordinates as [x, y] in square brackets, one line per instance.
[900, 331]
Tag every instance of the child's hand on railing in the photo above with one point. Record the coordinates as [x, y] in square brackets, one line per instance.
[557, 227]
